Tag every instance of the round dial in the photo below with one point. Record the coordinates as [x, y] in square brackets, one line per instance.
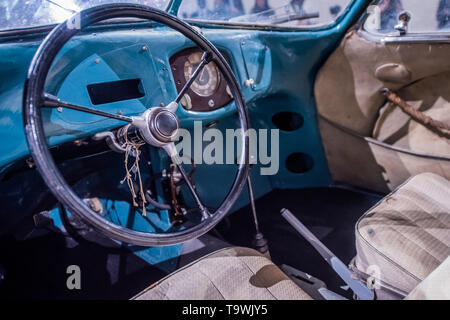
[207, 80]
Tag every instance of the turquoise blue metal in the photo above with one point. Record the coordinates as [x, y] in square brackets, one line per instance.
[165, 258]
[283, 63]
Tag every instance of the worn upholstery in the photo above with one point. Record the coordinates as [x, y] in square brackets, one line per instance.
[362, 162]
[227, 274]
[348, 86]
[347, 92]
[407, 235]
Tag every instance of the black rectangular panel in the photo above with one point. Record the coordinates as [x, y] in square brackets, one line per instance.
[107, 92]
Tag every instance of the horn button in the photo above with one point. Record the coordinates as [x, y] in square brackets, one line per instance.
[163, 125]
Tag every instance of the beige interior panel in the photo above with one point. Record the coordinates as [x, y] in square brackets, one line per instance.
[430, 95]
[361, 162]
[352, 108]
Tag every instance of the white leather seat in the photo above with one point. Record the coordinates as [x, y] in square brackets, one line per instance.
[406, 235]
[227, 274]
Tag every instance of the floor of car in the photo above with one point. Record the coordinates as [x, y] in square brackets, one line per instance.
[330, 213]
[36, 268]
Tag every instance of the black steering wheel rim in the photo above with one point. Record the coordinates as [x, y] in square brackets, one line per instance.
[39, 149]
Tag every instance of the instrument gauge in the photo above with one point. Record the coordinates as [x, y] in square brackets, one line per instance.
[208, 79]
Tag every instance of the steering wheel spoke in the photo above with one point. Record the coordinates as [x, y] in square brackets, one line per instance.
[51, 101]
[206, 58]
[173, 154]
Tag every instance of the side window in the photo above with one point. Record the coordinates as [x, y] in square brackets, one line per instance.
[289, 13]
[430, 16]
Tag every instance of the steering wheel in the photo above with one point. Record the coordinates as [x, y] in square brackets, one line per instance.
[157, 125]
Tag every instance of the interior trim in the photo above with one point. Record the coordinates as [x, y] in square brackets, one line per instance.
[385, 145]
[418, 38]
[441, 37]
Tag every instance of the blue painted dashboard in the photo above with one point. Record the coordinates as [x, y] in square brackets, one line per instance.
[285, 76]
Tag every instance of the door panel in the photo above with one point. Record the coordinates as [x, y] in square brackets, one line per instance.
[369, 142]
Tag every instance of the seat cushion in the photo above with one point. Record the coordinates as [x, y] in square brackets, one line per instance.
[407, 234]
[227, 274]
[436, 286]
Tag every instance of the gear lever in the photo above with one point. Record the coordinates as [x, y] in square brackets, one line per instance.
[259, 242]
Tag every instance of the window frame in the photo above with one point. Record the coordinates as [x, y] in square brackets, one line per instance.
[435, 37]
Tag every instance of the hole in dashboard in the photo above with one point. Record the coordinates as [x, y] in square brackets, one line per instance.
[107, 92]
[288, 121]
[299, 162]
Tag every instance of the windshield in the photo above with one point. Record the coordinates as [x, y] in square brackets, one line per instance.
[16, 14]
[291, 13]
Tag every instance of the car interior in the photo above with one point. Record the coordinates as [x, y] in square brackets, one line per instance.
[225, 149]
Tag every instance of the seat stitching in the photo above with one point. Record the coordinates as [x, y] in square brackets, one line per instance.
[246, 265]
[412, 199]
[368, 243]
[210, 281]
[418, 245]
[388, 259]
[411, 240]
[407, 218]
[157, 283]
[427, 232]
[376, 206]
[394, 261]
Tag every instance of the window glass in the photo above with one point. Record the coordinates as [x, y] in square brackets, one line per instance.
[428, 16]
[31, 13]
[292, 13]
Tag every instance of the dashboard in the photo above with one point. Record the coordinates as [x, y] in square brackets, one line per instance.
[126, 72]
[209, 91]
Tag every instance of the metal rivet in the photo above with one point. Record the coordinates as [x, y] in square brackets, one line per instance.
[97, 61]
[211, 103]
[249, 82]
[59, 109]
[144, 48]
[119, 112]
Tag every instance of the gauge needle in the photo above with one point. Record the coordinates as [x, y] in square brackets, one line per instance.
[201, 76]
